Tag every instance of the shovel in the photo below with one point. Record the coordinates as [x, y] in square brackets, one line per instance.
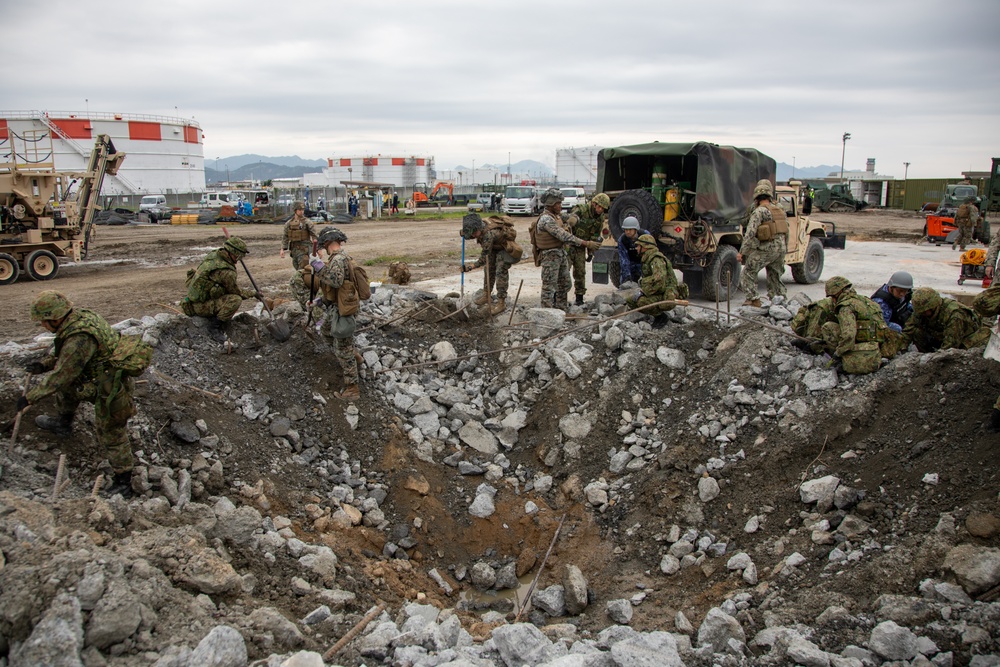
[277, 328]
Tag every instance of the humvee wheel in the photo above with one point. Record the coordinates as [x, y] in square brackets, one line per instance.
[41, 265]
[723, 270]
[639, 203]
[9, 269]
[811, 268]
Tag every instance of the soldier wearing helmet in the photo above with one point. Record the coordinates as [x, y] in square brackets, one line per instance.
[938, 323]
[549, 237]
[500, 252]
[658, 282]
[82, 369]
[858, 335]
[966, 219]
[212, 290]
[336, 284]
[585, 220]
[894, 299]
[764, 246]
[629, 262]
[298, 236]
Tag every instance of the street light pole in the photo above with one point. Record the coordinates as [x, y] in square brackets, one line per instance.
[906, 169]
[793, 166]
[843, 151]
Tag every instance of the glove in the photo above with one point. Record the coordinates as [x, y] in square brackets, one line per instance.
[592, 245]
[464, 268]
[21, 404]
[37, 368]
[317, 265]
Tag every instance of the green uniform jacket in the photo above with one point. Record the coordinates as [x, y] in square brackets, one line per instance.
[658, 280]
[589, 224]
[83, 347]
[862, 326]
[951, 325]
[215, 277]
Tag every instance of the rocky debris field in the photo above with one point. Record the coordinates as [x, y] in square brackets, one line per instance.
[711, 496]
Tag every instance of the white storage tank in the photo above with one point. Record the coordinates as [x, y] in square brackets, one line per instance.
[577, 166]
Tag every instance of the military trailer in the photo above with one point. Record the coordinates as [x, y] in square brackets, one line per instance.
[45, 215]
[695, 200]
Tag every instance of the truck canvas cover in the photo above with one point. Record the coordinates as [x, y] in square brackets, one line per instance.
[722, 177]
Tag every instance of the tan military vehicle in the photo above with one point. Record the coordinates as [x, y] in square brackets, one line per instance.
[46, 215]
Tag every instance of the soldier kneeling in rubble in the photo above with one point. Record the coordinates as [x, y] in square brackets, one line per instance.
[212, 288]
[858, 335]
[658, 281]
[938, 323]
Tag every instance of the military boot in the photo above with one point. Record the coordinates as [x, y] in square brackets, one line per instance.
[482, 300]
[579, 299]
[350, 393]
[121, 483]
[61, 425]
[499, 307]
[358, 358]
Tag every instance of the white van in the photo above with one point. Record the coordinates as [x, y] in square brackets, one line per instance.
[521, 200]
[217, 200]
[572, 197]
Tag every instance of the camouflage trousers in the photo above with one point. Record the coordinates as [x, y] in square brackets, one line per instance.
[497, 272]
[223, 308]
[300, 253]
[577, 257]
[987, 303]
[555, 279]
[647, 299]
[863, 357]
[343, 346]
[964, 234]
[770, 256]
[110, 416]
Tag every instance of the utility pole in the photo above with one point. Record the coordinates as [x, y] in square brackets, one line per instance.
[793, 166]
[843, 151]
[906, 169]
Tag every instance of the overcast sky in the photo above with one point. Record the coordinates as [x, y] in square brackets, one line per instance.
[913, 81]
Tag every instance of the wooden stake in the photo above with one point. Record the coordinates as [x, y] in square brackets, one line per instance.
[514, 305]
[17, 417]
[169, 379]
[531, 589]
[353, 632]
[60, 471]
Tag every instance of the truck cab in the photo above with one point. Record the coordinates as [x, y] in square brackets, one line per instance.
[571, 197]
[521, 200]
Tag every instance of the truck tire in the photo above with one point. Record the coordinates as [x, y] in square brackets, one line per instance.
[722, 270]
[615, 271]
[9, 270]
[811, 268]
[41, 265]
[983, 233]
[639, 203]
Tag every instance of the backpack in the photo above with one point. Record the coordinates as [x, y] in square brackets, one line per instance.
[353, 291]
[509, 235]
[131, 356]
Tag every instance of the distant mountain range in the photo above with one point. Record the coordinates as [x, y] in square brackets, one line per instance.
[785, 171]
[532, 167]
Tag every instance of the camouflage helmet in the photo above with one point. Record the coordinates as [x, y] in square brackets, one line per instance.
[472, 223]
[552, 196]
[647, 241]
[925, 300]
[602, 200]
[328, 235]
[236, 245]
[631, 222]
[50, 305]
[970, 199]
[763, 188]
[298, 205]
[836, 285]
[901, 279]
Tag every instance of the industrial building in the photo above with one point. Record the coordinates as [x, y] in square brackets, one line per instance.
[165, 155]
[402, 172]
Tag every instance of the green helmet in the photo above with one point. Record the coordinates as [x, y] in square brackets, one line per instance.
[647, 240]
[836, 285]
[50, 305]
[602, 200]
[764, 188]
[331, 234]
[925, 300]
[471, 223]
[552, 196]
[236, 245]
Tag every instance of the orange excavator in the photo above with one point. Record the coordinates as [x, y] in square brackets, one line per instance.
[422, 198]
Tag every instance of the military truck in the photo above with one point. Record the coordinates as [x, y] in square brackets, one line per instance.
[695, 199]
[47, 215]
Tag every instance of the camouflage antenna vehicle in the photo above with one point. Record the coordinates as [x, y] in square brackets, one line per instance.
[46, 215]
[695, 199]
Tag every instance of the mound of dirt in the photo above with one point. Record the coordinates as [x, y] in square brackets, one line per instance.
[702, 492]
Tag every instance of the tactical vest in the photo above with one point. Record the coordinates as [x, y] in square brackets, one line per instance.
[589, 225]
[901, 309]
[963, 214]
[297, 231]
[776, 226]
[201, 287]
[871, 325]
[84, 321]
[508, 234]
[541, 239]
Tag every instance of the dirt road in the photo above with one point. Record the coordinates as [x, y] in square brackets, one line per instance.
[133, 269]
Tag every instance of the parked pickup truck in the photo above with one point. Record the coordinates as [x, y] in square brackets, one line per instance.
[155, 207]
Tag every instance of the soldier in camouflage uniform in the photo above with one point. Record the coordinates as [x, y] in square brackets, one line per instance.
[658, 281]
[212, 288]
[82, 370]
[808, 323]
[305, 286]
[335, 326]
[991, 253]
[549, 237]
[987, 305]
[298, 237]
[965, 219]
[858, 335]
[585, 220]
[494, 239]
[938, 323]
[764, 246]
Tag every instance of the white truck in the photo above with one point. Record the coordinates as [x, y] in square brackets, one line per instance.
[521, 200]
[571, 197]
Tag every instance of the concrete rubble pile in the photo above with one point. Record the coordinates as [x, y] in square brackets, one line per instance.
[167, 578]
